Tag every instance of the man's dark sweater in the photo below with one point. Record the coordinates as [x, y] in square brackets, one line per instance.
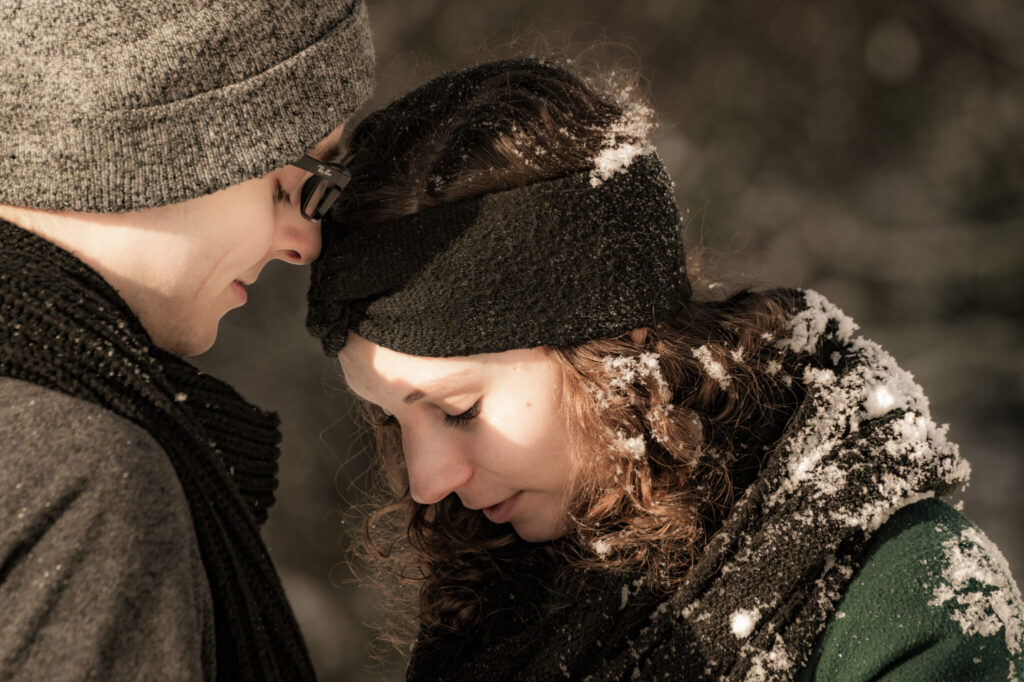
[132, 490]
[100, 573]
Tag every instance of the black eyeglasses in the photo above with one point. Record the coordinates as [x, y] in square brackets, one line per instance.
[321, 190]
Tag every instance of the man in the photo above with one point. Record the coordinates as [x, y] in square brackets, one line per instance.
[146, 178]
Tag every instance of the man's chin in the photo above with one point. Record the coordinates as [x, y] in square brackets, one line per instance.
[187, 343]
[197, 349]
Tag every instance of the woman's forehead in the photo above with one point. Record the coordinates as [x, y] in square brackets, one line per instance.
[368, 367]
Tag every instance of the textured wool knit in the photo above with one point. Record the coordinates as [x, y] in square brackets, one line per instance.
[557, 262]
[64, 328]
[116, 105]
[861, 446]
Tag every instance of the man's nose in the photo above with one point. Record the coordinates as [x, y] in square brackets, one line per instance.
[296, 238]
[436, 469]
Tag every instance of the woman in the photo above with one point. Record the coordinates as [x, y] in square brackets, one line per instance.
[595, 475]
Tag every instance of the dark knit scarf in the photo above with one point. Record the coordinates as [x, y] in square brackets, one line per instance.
[861, 446]
[63, 327]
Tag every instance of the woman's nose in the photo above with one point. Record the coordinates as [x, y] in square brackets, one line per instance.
[435, 468]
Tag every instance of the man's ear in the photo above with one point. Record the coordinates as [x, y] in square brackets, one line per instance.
[638, 336]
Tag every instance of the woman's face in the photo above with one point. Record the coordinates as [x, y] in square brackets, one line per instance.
[489, 428]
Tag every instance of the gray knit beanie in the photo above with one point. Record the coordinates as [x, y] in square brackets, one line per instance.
[117, 105]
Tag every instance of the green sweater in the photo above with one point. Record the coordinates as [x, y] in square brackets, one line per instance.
[934, 600]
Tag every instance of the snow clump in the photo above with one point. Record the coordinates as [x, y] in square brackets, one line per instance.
[714, 368]
[765, 665]
[808, 326]
[614, 156]
[743, 622]
[628, 370]
[625, 597]
[879, 401]
[984, 597]
[635, 447]
[871, 387]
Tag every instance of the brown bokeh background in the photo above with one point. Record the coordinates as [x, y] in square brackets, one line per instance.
[873, 151]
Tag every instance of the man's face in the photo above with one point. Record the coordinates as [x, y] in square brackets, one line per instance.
[193, 260]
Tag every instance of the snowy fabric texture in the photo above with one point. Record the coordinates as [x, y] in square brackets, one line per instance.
[616, 156]
[861, 446]
[554, 263]
[994, 610]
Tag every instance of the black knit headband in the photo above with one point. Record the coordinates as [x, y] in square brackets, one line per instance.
[558, 262]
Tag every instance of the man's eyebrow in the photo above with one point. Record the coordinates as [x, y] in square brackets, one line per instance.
[436, 386]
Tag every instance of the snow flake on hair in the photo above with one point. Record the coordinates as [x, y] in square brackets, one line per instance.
[625, 371]
[658, 421]
[601, 547]
[635, 447]
[712, 367]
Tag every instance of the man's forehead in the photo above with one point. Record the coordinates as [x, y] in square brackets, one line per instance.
[327, 147]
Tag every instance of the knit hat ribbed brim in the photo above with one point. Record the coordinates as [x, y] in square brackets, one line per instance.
[115, 105]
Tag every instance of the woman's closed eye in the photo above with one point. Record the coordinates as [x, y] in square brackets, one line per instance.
[464, 418]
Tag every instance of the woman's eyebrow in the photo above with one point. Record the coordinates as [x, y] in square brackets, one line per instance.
[437, 386]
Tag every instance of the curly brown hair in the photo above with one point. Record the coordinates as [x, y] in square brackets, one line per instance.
[667, 423]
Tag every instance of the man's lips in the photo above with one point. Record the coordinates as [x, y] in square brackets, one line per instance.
[502, 511]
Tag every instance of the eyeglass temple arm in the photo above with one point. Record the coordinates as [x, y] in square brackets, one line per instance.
[328, 171]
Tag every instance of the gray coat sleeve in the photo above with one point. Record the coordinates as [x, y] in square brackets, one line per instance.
[100, 572]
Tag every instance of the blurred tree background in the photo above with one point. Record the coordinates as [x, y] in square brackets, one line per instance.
[872, 150]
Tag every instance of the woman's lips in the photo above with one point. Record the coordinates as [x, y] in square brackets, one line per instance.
[502, 512]
[240, 290]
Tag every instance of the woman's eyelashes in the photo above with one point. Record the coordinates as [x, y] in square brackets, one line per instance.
[454, 420]
[464, 418]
